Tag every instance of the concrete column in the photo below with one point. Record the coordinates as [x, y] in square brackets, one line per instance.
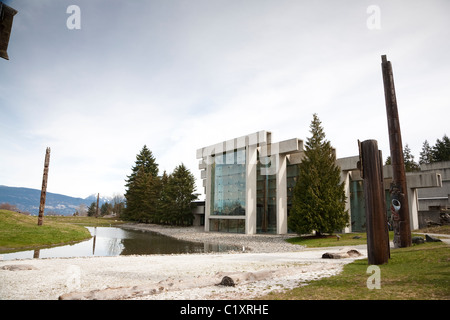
[413, 208]
[208, 189]
[281, 194]
[250, 184]
[345, 177]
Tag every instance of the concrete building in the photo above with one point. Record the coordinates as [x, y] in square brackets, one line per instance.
[249, 181]
[433, 200]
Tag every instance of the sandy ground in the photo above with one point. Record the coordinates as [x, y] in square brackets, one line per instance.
[267, 264]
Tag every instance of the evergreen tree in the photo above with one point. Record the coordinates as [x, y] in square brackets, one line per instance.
[441, 150]
[142, 189]
[144, 161]
[92, 210]
[426, 155]
[180, 194]
[408, 159]
[164, 204]
[142, 198]
[318, 202]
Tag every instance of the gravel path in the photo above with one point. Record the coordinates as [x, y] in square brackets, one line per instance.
[265, 264]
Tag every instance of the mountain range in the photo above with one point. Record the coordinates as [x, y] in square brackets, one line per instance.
[27, 200]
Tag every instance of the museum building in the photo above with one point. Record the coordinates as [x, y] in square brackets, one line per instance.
[249, 182]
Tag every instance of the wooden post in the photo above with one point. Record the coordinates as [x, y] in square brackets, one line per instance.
[97, 211]
[371, 166]
[44, 187]
[6, 20]
[399, 194]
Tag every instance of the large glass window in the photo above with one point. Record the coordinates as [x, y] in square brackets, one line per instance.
[228, 184]
[266, 215]
[227, 225]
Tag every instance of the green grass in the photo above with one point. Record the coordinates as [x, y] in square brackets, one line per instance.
[347, 239]
[85, 221]
[21, 232]
[418, 272]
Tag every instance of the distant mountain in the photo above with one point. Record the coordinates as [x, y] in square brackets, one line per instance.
[26, 199]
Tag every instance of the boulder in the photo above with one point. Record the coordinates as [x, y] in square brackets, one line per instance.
[226, 281]
[342, 254]
[432, 239]
[418, 240]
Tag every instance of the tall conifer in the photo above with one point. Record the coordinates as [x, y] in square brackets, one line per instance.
[142, 188]
[319, 199]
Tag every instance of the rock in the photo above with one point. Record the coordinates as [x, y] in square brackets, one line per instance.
[18, 267]
[418, 240]
[226, 281]
[342, 254]
[335, 255]
[432, 239]
[354, 253]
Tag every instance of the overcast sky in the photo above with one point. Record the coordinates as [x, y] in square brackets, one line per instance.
[178, 75]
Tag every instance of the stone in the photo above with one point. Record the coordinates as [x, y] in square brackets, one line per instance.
[354, 253]
[417, 240]
[432, 239]
[18, 267]
[342, 254]
[226, 281]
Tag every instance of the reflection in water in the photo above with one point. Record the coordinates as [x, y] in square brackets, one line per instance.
[113, 241]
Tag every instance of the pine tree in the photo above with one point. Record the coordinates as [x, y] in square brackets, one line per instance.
[146, 161]
[142, 189]
[164, 205]
[92, 209]
[408, 159]
[426, 155]
[441, 150]
[319, 199]
[180, 194]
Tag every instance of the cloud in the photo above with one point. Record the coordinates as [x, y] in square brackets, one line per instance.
[179, 75]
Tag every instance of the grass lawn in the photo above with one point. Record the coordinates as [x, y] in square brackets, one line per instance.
[419, 272]
[84, 221]
[21, 232]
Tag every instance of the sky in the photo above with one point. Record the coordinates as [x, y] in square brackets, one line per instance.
[98, 82]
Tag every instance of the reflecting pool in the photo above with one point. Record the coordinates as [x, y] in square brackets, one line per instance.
[114, 241]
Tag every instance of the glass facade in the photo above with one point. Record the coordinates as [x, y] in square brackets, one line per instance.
[266, 195]
[228, 175]
[227, 225]
[291, 180]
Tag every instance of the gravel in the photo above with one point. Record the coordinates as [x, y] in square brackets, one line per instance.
[266, 263]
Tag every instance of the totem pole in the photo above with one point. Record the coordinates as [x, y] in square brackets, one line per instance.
[44, 187]
[398, 190]
[371, 167]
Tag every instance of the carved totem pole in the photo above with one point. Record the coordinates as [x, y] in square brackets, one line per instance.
[44, 187]
[398, 190]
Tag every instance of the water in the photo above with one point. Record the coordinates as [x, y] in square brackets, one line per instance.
[113, 241]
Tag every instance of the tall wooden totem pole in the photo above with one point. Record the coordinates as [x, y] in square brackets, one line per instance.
[44, 187]
[398, 190]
